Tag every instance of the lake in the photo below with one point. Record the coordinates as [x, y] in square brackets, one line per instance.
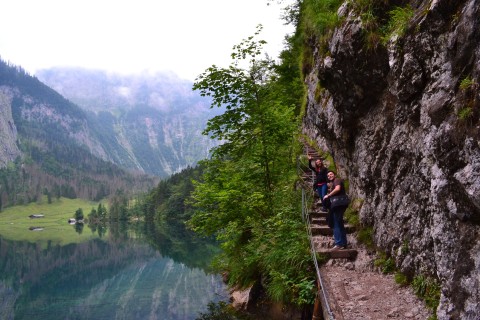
[124, 271]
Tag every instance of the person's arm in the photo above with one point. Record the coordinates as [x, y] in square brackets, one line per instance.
[333, 192]
[310, 163]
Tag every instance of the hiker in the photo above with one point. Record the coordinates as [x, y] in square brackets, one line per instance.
[338, 204]
[320, 184]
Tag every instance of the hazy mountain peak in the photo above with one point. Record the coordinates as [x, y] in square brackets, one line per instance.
[97, 90]
[147, 121]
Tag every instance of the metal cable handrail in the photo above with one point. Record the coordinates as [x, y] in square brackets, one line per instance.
[306, 218]
[323, 293]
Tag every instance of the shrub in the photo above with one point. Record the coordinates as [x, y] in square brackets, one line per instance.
[465, 113]
[401, 279]
[386, 265]
[320, 16]
[221, 311]
[365, 236]
[466, 83]
[398, 23]
[352, 217]
[427, 289]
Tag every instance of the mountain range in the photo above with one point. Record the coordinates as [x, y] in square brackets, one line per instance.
[84, 133]
[149, 122]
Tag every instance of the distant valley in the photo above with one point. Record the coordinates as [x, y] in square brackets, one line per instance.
[148, 122]
[89, 134]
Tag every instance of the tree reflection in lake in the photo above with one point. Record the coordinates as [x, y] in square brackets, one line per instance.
[136, 271]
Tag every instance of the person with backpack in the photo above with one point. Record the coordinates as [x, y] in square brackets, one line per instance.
[320, 183]
[338, 204]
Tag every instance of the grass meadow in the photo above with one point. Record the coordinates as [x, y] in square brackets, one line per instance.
[15, 222]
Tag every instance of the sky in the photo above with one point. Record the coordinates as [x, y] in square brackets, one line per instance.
[133, 36]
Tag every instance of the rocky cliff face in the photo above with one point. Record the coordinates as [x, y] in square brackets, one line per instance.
[8, 131]
[402, 125]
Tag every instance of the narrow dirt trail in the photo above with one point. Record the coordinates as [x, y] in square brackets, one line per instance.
[354, 288]
[357, 290]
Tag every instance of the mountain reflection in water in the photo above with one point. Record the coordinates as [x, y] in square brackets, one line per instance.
[123, 275]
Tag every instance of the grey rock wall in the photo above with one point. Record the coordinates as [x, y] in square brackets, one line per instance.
[390, 118]
[8, 132]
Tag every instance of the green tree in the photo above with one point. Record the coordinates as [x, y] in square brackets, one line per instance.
[79, 214]
[78, 227]
[118, 209]
[256, 122]
[101, 211]
[49, 196]
[245, 196]
[93, 215]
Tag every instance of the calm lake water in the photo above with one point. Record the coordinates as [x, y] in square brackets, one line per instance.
[128, 272]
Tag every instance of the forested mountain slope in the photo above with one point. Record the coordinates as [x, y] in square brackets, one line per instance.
[394, 97]
[148, 122]
[50, 146]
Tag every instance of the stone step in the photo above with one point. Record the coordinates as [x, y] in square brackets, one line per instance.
[325, 242]
[311, 151]
[317, 214]
[318, 207]
[338, 254]
[321, 241]
[319, 220]
[326, 231]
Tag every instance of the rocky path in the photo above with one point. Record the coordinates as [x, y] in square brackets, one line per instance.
[354, 288]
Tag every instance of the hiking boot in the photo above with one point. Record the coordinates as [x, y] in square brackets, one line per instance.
[335, 247]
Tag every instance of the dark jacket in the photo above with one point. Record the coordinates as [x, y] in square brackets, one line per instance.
[320, 174]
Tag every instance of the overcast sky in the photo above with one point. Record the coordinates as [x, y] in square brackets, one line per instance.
[130, 36]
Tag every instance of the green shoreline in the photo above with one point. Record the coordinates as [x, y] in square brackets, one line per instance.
[15, 222]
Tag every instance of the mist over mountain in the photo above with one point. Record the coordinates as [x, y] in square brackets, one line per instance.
[148, 122]
[98, 90]
[52, 147]
[84, 133]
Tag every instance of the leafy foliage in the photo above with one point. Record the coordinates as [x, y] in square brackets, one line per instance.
[79, 214]
[221, 311]
[386, 265]
[467, 83]
[365, 236]
[245, 197]
[467, 111]
[320, 16]
[427, 289]
[401, 279]
[317, 19]
[398, 23]
[352, 217]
